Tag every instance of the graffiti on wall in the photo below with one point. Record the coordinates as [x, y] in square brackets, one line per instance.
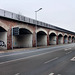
[2, 43]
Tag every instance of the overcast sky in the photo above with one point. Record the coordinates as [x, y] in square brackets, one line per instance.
[60, 13]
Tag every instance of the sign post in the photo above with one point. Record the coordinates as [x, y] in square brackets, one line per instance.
[15, 31]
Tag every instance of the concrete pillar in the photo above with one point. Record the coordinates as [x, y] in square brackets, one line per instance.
[63, 40]
[68, 39]
[47, 39]
[34, 39]
[57, 40]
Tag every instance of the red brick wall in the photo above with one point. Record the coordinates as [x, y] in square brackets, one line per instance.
[11, 23]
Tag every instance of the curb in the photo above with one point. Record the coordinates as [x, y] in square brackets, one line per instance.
[32, 48]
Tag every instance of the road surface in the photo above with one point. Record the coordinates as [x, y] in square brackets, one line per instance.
[45, 61]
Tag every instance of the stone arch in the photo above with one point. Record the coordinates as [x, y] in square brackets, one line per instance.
[60, 38]
[52, 38]
[72, 36]
[69, 38]
[59, 33]
[24, 39]
[65, 38]
[41, 37]
[69, 35]
[65, 34]
[4, 26]
[24, 26]
[41, 29]
[52, 31]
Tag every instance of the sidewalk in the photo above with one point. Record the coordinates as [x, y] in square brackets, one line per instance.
[32, 48]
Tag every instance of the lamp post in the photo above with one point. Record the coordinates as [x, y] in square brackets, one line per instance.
[36, 24]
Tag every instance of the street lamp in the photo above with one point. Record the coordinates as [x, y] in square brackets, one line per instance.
[36, 24]
[36, 13]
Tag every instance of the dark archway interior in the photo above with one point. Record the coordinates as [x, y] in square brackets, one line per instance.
[52, 39]
[65, 39]
[41, 38]
[23, 31]
[2, 29]
[60, 39]
[41, 33]
[69, 39]
[53, 34]
[65, 36]
[69, 36]
[59, 35]
[24, 39]
[73, 39]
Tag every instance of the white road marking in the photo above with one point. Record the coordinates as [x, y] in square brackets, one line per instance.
[17, 74]
[73, 59]
[59, 74]
[24, 58]
[68, 49]
[51, 74]
[29, 52]
[51, 60]
[68, 52]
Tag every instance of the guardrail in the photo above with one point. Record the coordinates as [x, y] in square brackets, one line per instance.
[14, 16]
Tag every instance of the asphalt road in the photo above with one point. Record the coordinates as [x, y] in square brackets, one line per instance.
[44, 61]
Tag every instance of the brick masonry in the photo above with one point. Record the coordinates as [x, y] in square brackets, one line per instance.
[12, 23]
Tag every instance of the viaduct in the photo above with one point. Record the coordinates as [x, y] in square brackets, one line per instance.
[25, 33]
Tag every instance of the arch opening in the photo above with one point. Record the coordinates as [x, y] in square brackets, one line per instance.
[3, 38]
[24, 39]
[69, 39]
[60, 39]
[41, 38]
[65, 39]
[52, 39]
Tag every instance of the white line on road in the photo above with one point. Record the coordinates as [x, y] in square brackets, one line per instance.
[24, 58]
[29, 52]
[17, 74]
[68, 52]
[68, 49]
[73, 59]
[51, 74]
[51, 60]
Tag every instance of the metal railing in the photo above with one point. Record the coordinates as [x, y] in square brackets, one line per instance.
[18, 17]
